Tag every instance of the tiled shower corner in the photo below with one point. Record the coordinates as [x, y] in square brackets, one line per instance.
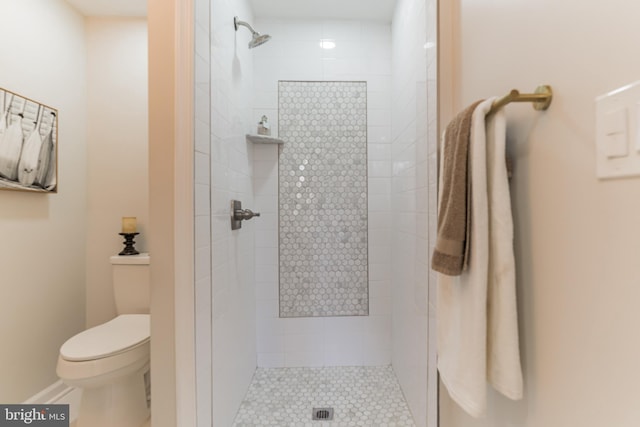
[360, 396]
[363, 54]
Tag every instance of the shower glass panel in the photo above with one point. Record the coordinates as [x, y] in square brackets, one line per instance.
[323, 199]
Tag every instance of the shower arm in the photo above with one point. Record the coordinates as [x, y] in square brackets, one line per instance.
[237, 22]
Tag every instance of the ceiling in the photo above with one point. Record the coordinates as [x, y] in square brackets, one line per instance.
[375, 10]
[110, 7]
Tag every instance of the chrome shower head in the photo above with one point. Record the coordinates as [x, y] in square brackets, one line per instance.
[257, 38]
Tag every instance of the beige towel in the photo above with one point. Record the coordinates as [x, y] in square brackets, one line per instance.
[451, 250]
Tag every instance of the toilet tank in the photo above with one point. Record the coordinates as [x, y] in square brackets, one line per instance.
[131, 283]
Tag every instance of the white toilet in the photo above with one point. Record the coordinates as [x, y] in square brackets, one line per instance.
[110, 362]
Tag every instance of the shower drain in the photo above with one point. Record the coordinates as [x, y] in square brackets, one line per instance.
[322, 414]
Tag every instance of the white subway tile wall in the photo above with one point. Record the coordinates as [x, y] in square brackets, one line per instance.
[203, 305]
[362, 53]
[225, 261]
[414, 101]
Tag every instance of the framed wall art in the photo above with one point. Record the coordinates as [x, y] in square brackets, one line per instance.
[28, 144]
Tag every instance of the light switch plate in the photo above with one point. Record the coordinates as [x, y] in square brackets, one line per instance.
[617, 125]
[637, 119]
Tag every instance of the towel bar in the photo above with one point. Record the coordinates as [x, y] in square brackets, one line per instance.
[541, 98]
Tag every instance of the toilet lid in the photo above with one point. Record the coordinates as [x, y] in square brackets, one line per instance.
[115, 336]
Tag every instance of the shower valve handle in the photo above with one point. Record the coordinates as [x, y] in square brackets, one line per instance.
[244, 214]
[238, 214]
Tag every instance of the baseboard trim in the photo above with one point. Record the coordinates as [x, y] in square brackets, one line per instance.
[59, 393]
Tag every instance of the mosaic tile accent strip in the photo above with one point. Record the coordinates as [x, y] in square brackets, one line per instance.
[361, 396]
[323, 199]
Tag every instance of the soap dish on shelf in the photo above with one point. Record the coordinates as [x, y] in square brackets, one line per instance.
[263, 139]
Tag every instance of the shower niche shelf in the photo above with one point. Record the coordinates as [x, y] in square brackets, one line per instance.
[263, 139]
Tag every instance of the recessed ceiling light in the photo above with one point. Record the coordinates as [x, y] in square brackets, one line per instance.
[327, 43]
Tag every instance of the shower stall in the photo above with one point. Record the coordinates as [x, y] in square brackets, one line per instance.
[325, 300]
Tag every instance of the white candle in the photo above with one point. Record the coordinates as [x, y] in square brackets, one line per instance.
[129, 224]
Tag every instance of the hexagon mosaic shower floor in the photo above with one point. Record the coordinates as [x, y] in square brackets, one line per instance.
[361, 396]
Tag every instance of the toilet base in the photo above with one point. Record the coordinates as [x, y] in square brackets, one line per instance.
[122, 403]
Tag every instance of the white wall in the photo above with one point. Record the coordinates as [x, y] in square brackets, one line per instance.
[414, 200]
[171, 210]
[42, 257]
[225, 290]
[117, 149]
[577, 239]
[362, 53]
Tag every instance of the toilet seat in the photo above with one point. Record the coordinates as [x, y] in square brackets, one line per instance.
[118, 335]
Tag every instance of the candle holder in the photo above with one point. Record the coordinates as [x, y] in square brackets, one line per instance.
[128, 244]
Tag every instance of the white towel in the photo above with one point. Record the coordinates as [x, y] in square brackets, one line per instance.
[476, 311]
[462, 300]
[503, 355]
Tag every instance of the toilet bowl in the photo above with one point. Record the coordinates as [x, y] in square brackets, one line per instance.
[110, 362]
